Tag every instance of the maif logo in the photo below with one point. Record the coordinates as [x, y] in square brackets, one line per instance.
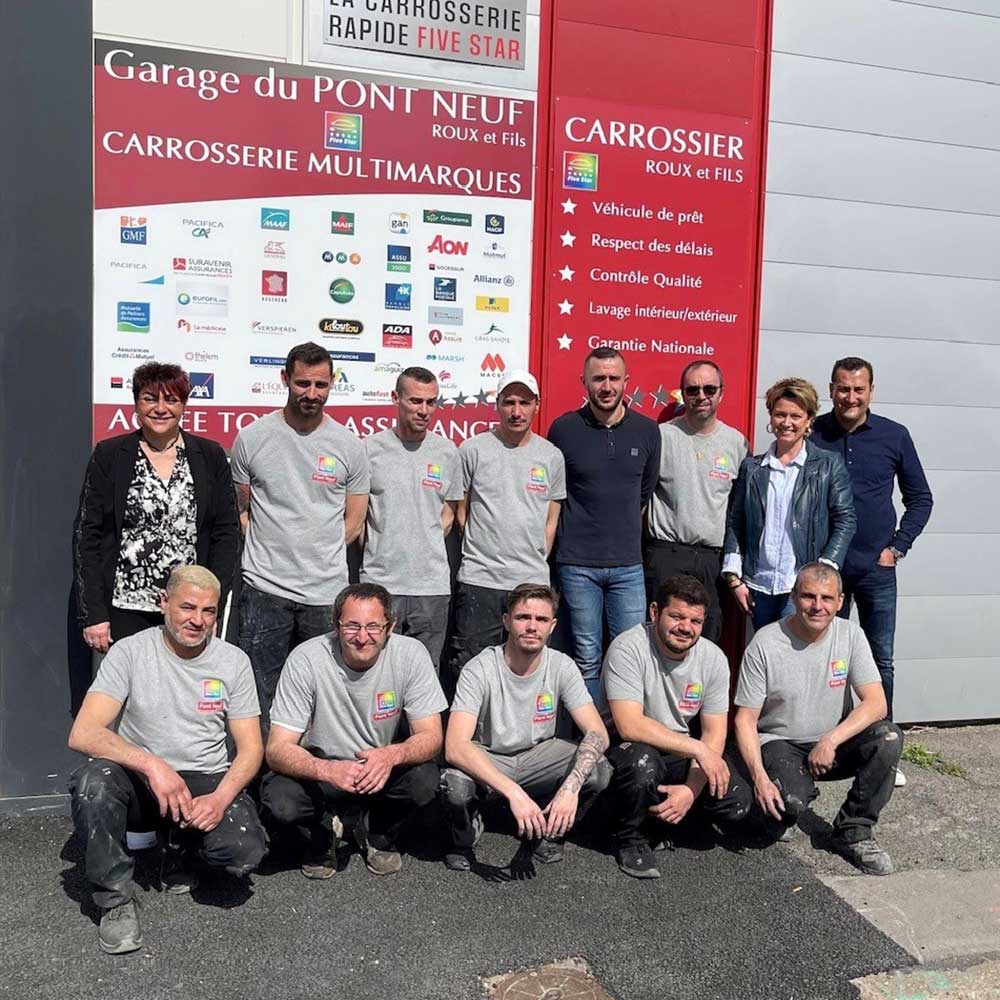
[342, 131]
[275, 218]
[342, 223]
[580, 171]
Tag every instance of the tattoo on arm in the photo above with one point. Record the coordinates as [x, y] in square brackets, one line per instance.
[592, 746]
[242, 498]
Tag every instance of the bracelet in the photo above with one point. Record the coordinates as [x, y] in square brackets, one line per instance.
[739, 583]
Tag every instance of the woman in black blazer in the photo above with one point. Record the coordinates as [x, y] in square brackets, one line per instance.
[151, 500]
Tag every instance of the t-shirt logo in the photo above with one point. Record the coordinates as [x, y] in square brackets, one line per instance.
[385, 706]
[433, 478]
[721, 467]
[692, 697]
[545, 707]
[838, 673]
[326, 470]
[538, 479]
[211, 696]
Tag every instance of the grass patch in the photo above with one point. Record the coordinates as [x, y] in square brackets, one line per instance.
[930, 760]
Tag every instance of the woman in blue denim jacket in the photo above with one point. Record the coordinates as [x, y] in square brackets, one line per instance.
[790, 505]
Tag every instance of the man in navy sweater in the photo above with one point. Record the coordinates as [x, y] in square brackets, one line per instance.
[612, 464]
[877, 452]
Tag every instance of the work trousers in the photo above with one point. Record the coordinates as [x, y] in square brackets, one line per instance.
[703, 562]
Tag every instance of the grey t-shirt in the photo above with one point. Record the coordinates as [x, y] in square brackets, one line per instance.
[175, 708]
[672, 692]
[801, 687]
[509, 490]
[341, 711]
[696, 474]
[298, 488]
[410, 482]
[514, 713]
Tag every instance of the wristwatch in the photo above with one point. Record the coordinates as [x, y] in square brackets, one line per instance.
[896, 554]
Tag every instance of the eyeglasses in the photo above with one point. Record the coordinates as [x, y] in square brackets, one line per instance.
[373, 629]
[149, 400]
[692, 391]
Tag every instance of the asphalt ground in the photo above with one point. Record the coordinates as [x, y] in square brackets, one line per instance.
[721, 923]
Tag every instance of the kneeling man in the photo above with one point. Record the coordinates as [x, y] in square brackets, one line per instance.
[664, 683]
[795, 724]
[332, 746]
[178, 689]
[502, 736]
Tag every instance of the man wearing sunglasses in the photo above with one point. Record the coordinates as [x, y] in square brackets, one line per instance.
[699, 461]
[333, 744]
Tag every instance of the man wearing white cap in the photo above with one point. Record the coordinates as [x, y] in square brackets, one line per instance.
[514, 482]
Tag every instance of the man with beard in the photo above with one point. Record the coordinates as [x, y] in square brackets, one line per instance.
[302, 488]
[667, 690]
[612, 460]
[699, 463]
[502, 736]
[416, 483]
[175, 691]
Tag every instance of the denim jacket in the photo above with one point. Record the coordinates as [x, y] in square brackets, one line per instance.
[823, 519]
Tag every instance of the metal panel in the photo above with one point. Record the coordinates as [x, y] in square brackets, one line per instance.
[948, 564]
[887, 33]
[827, 164]
[881, 238]
[969, 689]
[944, 627]
[857, 98]
[964, 502]
[833, 300]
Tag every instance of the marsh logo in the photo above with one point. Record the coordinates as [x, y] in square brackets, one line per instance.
[133, 317]
[275, 218]
[342, 131]
[132, 229]
[202, 385]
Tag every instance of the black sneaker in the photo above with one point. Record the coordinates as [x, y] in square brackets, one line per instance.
[120, 931]
[175, 876]
[638, 861]
[460, 859]
[548, 852]
[866, 855]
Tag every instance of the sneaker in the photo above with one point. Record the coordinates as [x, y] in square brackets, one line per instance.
[460, 859]
[382, 862]
[548, 852]
[638, 861]
[788, 834]
[120, 931]
[175, 877]
[900, 780]
[320, 868]
[865, 855]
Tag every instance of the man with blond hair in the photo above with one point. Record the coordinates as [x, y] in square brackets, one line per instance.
[176, 691]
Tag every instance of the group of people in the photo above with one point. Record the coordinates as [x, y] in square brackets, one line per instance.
[650, 530]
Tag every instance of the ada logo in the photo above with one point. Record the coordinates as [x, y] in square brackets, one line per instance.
[437, 218]
[433, 478]
[538, 479]
[445, 289]
[397, 296]
[397, 335]
[274, 285]
[545, 707]
[838, 673]
[397, 258]
[326, 470]
[133, 317]
[132, 229]
[342, 131]
[342, 223]
[399, 223]
[492, 303]
[211, 696]
[580, 171]
[386, 706]
[692, 697]
[275, 218]
[451, 247]
[720, 467]
[494, 224]
[341, 290]
[202, 385]
[341, 327]
[493, 364]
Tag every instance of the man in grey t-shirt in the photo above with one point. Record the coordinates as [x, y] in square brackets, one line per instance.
[659, 679]
[416, 483]
[177, 690]
[333, 742]
[699, 459]
[302, 487]
[502, 736]
[514, 483]
[795, 723]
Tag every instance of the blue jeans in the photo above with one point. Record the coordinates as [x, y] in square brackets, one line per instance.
[591, 594]
[875, 594]
[769, 608]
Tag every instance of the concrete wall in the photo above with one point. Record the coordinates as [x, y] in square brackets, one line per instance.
[882, 239]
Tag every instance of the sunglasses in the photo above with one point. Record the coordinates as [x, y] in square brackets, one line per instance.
[692, 391]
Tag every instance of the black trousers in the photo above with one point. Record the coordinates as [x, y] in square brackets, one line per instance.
[478, 623]
[126, 623]
[301, 808]
[639, 768]
[663, 559]
[870, 758]
[108, 797]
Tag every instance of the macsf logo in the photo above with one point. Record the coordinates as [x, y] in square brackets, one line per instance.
[493, 363]
[451, 247]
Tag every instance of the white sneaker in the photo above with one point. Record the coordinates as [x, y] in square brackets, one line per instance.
[900, 780]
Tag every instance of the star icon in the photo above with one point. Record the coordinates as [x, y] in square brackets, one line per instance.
[460, 400]
[566, 273]
[568, 239]
[565, 342]
[660, 398]
[637, 397]
[565, 308]
[482, 398]
[569, 207]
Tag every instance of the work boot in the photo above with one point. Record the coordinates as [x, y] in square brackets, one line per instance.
[460, 859]
[638, 861]
[120, 931]
[547, 851]
[865, 855]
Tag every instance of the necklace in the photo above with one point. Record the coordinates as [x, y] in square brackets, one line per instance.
[152, 447]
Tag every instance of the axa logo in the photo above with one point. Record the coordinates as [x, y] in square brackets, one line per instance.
[202, 385]
[493, 363]
[453, 248]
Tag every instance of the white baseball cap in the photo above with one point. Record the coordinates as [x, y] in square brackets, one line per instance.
[518, 376]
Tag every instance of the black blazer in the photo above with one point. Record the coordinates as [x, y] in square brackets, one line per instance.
[98, 527]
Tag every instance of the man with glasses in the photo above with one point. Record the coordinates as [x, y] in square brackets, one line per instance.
[332, 747]
[699, 461]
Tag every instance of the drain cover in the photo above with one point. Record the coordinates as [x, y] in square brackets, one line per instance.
[570, 980]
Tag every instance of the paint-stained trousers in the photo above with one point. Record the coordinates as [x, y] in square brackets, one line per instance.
[108, 797]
